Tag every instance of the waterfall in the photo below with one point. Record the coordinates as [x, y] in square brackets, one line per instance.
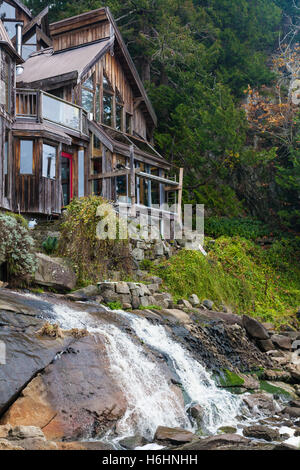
[152, 400]
[220, 406]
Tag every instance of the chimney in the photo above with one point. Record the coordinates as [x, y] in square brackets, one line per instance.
[19, 38]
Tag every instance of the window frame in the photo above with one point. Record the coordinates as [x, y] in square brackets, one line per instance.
[20, 156]
[50, 144]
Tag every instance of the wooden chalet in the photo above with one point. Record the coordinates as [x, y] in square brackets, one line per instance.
[79, 121]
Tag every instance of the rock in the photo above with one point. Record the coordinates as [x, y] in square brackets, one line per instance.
[126, 306]
[265, 345]
[184, 304]
[153, 288]
[194, 300]
[75, 396]
[154, 280]
[138, 254]
[26, 352]
[144, 301]
[122, 288]
[260, 402]
[135, 302]
[282, 342]
[250, 382]
[227, 430]
[84, 294]
[261, 432]
[254, 328]
[285, 446]
[143, 290]
[283, 387]
[26, 432]
[11, 302]
[6, 445]
[271, 374]
[54, 272]
[84, 445]
[175, 315]
[293, 412]
[197, 413]
[221, 441]
[131, 442]
[161, 300]
[295, 403]
[208, 304]
[173, 435]
[4, 431]
[268, 326]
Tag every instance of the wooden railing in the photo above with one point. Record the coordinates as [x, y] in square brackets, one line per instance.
[39, 105]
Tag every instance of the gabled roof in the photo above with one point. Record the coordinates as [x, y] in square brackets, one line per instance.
[37, 21]
[75, 63]
[6, 42]
[121, 51]
[22, 7]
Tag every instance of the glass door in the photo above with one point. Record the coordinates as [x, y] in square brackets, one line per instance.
[66, 178]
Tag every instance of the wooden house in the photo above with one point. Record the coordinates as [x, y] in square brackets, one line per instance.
[81, 120]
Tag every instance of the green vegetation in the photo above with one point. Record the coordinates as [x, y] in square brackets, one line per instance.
[230, 379]
[91, 257]
[50, 245]
[115, 305]
[241, 275]
[275, 390]
[16, 249]
[245, 227]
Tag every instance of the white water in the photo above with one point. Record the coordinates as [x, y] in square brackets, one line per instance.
[152, 401]
[221, 407]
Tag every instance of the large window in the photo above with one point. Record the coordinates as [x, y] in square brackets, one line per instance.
[5, 165]
[29, 47]
[80, 173]
[87, 95]
[108, 94]
[26, 157]
[119, 112]
[128, 123]
[6, 90]
[49, 161]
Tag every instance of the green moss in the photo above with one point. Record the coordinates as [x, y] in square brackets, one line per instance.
[230, 379]
[115, 305]
[267, 387]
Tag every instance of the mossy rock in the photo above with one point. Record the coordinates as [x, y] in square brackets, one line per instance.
[228, 378]
[275, 389]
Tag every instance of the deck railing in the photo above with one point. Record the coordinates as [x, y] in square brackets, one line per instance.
[39, 105]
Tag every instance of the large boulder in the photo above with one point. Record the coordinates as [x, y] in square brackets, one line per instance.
[221, 441]
[26, 353]
[54, 272]
[173, 435]
[262, 432]
[74, 397]
[254, 328]
[282, 342]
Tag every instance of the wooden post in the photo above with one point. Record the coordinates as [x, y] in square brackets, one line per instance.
[179, 213]
[132, 177]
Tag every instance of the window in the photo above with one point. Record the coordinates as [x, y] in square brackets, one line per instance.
[96, 156]
[155, 187]
[119, 111]
[49, 161]
[7, 11]
[108, 94]
[97, 187]
[29, 47]
[98, 114]
[87, 95]
[128, 123]
[107, 109]
[7, 78]
[26, 157]
[5, 165]
[80, 173]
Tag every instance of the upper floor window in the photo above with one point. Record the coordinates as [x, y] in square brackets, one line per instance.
[7, 11]
[26, 157]
[49, 161]
[5, 164]
[108, 95]
[119, 112]
[128, 123]
[87, 95]
[29, 47]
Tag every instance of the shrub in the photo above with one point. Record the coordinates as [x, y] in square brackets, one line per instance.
[115, 305]
[239, 274]
[16, 248]
[50, 245]
[19, 218]
[245, 227]
[91, 258]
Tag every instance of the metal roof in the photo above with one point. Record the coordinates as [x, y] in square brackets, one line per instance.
[47, 64]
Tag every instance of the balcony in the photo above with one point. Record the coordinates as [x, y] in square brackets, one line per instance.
[40, 106]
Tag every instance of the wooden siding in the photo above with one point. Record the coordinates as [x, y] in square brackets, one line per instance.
[81, 36]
